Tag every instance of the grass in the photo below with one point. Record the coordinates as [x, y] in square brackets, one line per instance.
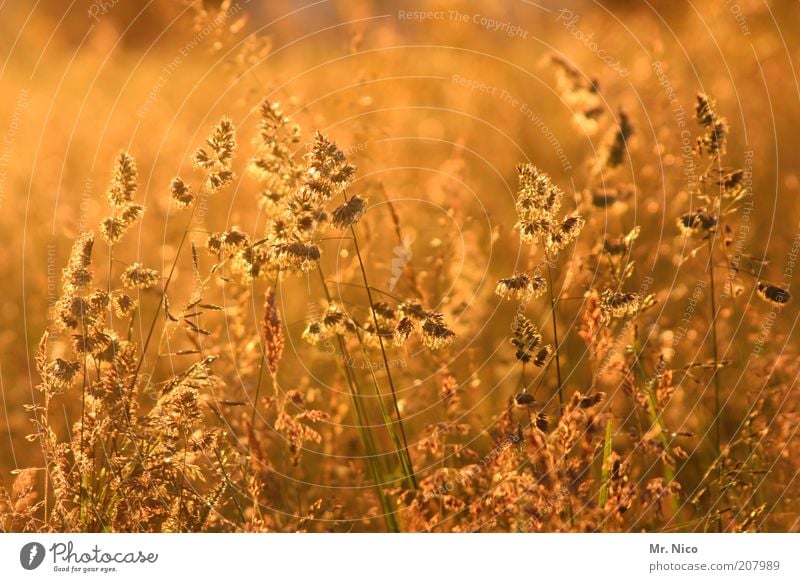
[299, 373]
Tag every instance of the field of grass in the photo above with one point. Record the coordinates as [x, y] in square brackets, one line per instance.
[399, 266]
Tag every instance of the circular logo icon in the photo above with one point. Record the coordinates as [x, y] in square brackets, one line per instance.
[31, 555]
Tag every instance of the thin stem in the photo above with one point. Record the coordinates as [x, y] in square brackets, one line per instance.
[183, 479]
[556, 347]
[605, 467]
[83, 422]
[228, 484]
[410, 466]
[362, 420]
[46, 457]
[714, 375]
[395, 297]
[714, 372]
[161, 299]
[655, 417]
[252, 424]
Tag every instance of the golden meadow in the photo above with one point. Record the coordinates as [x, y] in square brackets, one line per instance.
[369, 266]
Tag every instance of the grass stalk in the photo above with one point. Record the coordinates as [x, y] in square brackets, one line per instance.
[605, 470]
[655, 420]
[163, 294]
[408, 465]
[714, 373]
[362, 421]
[556, 347]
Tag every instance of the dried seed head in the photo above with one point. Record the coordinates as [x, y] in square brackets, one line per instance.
[112, 349]
[713, 141]
[524, 399]
[618, 304]
[538, 203]
[533, 230]
[772, 293]
[230, 241]
[615, 151]
[412, 310]
[336, 321]
[294, 256]
[404, 329]
[76, 274]
[182, 194]
[565, 233]
[95, 343]
[270, 199]
[543, 356]
[98, 302]
[435, 334]
[588, 401]
[273, 332]
[384, 311]
[123, 183]
[704, 110]
[697, 221]
[272, 118]
[124, 305]
[61, 374]
[219, 179]
[349, 213]
[528, 342]
[732, 181]
[72, 312]
[137, 276]
[537, 197]
[222, 144]
[620, 246]
[314, 333]
[114, 227]
[374, 335]
[327, 171]
[131, 214]
[608, 197]
[526, 336]
[521, 286]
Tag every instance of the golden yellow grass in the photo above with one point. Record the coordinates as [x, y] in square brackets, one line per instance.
[365, 285]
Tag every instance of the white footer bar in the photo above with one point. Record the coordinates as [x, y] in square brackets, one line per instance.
[400, 557]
